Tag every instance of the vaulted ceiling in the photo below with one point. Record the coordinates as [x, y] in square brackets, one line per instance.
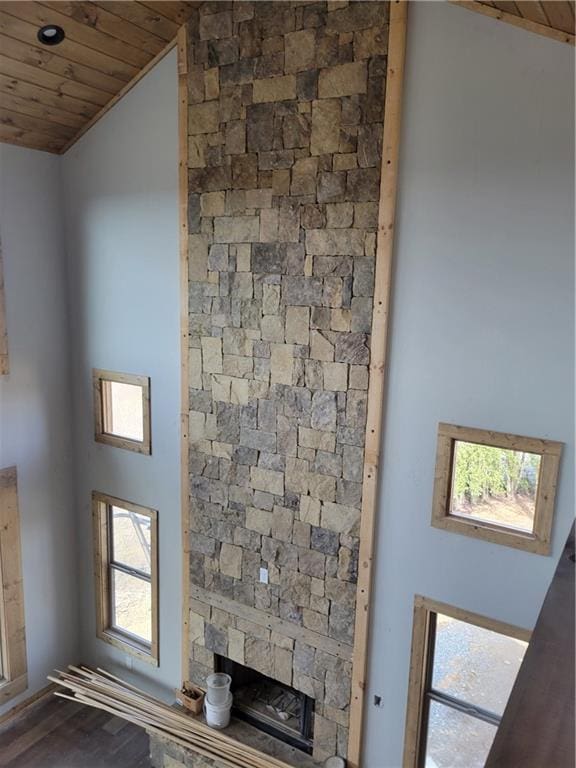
[51, 94]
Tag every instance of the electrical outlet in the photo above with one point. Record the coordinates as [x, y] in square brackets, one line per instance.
[263, 575]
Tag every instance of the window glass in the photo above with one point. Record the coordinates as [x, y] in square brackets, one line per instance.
[495, 485]
[131, 605]
[123, 413]
[131, 539]
[456, 740]
[474, 664]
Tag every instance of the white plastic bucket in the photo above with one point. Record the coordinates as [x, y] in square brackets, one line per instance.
[218, 685]
[218, 717]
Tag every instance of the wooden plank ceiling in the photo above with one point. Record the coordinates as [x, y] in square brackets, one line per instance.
[50, 95]
[551, 18]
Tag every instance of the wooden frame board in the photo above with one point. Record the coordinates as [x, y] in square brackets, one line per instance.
[550, 452]
[102, 410]
[423, 608]
[4, 364]
[182, 48]
[378, 366]
[13, 670]
[101, 502]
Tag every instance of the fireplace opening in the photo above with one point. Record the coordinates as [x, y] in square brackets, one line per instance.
[273, 707]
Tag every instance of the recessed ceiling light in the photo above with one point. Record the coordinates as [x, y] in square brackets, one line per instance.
[51, 34]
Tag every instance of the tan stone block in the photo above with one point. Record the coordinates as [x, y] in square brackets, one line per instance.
[269, 225]
[274, 89]
[325, 732]
[297, 325]
[317, 587]
[310, 511]
[281, 181]
[214, 26]
[267, 480]
[195, 368]
[196, 628]
[335, 242]
[371, 42]
[283, 665]
[221, 388]
[236, 229]
[315, 621]
[335, 376]
[243, 257]
[197, 151]
[204, 118]
[211, 354]
[235, 137]
[212, 83]
[320, 347]
[370, 244]
[366, 215]
[236, 640]
[222, 450]
[297, 475]
[345, 161]
[325, 137]
[339, 215]
[231, 561]
[270, 299]
[340, 518]
[316, 439]
[306, 453]
[258, 198]
[342, 80]
[212, 203]
[358, 377]
[197, 258]
[239, 391]
[340, 320]
[322, 487]
[169, 762]
[304, 173]
[299, 50]
[282, 641]
[259, 520]
[281, 363]
[236, 365]
[282, 522]
[273, 328]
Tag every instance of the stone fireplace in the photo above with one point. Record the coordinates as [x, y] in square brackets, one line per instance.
[284, 130]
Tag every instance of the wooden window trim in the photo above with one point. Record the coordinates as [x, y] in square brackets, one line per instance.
[99, 380]
[13, 679]
[424, 607]
[101, 503]
[4, 364]
[539, 541]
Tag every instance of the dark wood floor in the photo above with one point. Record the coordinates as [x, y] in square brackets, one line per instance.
[55, 733]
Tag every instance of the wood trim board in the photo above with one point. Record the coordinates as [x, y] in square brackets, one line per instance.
[539, 540]
[102, 556]
[13, 675]
[378, 366]
[182, 47]
[102, 410]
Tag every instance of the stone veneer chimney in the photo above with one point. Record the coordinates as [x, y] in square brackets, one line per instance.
[285, 129]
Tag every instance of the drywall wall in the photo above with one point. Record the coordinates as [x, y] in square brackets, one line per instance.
[121, 211]
[482, 325]
[35, 405]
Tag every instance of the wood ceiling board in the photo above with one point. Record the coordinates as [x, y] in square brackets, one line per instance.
[27, 107]
[179, 13]
[506, 5]
[107, 48]
[47, 59]
[560, 15]
[39, 15]
[517, 20]
[101, 19]
[32, 75]
[35, 124]
[27, 33]
[533, 11]
[10, 135]
[52, 99]
[143, 17]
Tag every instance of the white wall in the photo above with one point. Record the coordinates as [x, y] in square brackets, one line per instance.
[483, 319]
[121, 205]
[35, 413]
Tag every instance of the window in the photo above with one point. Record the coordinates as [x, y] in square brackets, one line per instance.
[13, 672]
[126, 575]
[462, 670]
[3, 334]
[122, 410]
[496, 486]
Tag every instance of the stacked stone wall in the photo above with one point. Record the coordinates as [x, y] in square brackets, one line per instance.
[285, 128]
